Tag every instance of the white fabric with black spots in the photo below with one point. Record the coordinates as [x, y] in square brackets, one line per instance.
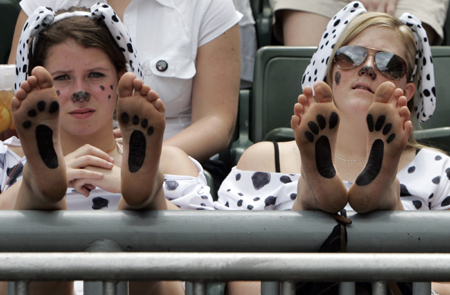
[425, 185]
[186, 192]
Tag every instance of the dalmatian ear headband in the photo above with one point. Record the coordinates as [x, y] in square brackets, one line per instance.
[43, 17]
[317, 68]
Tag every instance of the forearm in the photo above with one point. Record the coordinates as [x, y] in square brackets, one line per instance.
[204, 138]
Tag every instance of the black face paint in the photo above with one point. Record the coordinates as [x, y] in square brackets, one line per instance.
[81, 96]
[58, 92]
[102, 87]
[337, 77]
[110, 86]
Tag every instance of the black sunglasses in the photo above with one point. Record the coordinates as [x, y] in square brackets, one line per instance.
[389, 64]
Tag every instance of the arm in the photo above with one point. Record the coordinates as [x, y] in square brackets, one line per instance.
[258, 157]
[387, 6]
[214, 98]
[17, 31]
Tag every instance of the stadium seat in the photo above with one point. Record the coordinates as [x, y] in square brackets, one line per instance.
[262, 13]
[9, 11]
[276, 86]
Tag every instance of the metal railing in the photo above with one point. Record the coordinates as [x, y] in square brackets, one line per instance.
[203, 247]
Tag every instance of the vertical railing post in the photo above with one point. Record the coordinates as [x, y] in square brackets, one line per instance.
[95, 288]
[288, 288]
[11, 288]
[21, 287]
[109, 288]
[379, 288]
[270, 288]
[347, 288]
[421, 288]
[199, 288]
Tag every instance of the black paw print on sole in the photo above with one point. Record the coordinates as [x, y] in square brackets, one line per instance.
[44, 134]
[324, 161]
[375, 161]
[138, 142]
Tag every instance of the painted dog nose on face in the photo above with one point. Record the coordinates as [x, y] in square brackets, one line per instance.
[368, 70]
[80, 96]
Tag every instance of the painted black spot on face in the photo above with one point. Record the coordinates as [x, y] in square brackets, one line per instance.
[337, 78]
[58, 92]
[110, 86]
[102, 87]
[81, 96]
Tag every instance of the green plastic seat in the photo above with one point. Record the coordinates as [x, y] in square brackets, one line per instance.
[276, 86]
[262, 13]
[9, 11]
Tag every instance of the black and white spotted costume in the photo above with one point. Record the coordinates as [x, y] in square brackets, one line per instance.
[425, 185]
[190, 193]
[186, 192]
[425, 182]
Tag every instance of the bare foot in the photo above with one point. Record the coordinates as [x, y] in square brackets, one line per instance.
[315, 126]
[377, 187]
[35, 110]
[141, 116]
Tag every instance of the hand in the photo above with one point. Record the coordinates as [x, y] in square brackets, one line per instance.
[387, 6]
[87, 167]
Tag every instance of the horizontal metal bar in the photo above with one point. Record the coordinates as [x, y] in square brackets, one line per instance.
[226, 266]
[221, 231]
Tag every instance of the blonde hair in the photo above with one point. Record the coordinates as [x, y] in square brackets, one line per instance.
[377, 19]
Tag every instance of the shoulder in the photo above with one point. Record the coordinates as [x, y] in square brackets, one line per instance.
[261, 157]
[258, 157]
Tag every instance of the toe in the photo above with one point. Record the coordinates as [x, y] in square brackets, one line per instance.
[384, 92]
[323, 92]
[43, 77]
[159, 105]
[295, 122]
[126, 87]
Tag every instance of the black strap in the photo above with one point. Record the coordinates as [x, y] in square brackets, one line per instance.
[277, 157]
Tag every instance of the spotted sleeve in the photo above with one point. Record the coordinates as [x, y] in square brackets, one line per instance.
[253, 190]
[425, 182]
[188, 192]
[11, 167]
